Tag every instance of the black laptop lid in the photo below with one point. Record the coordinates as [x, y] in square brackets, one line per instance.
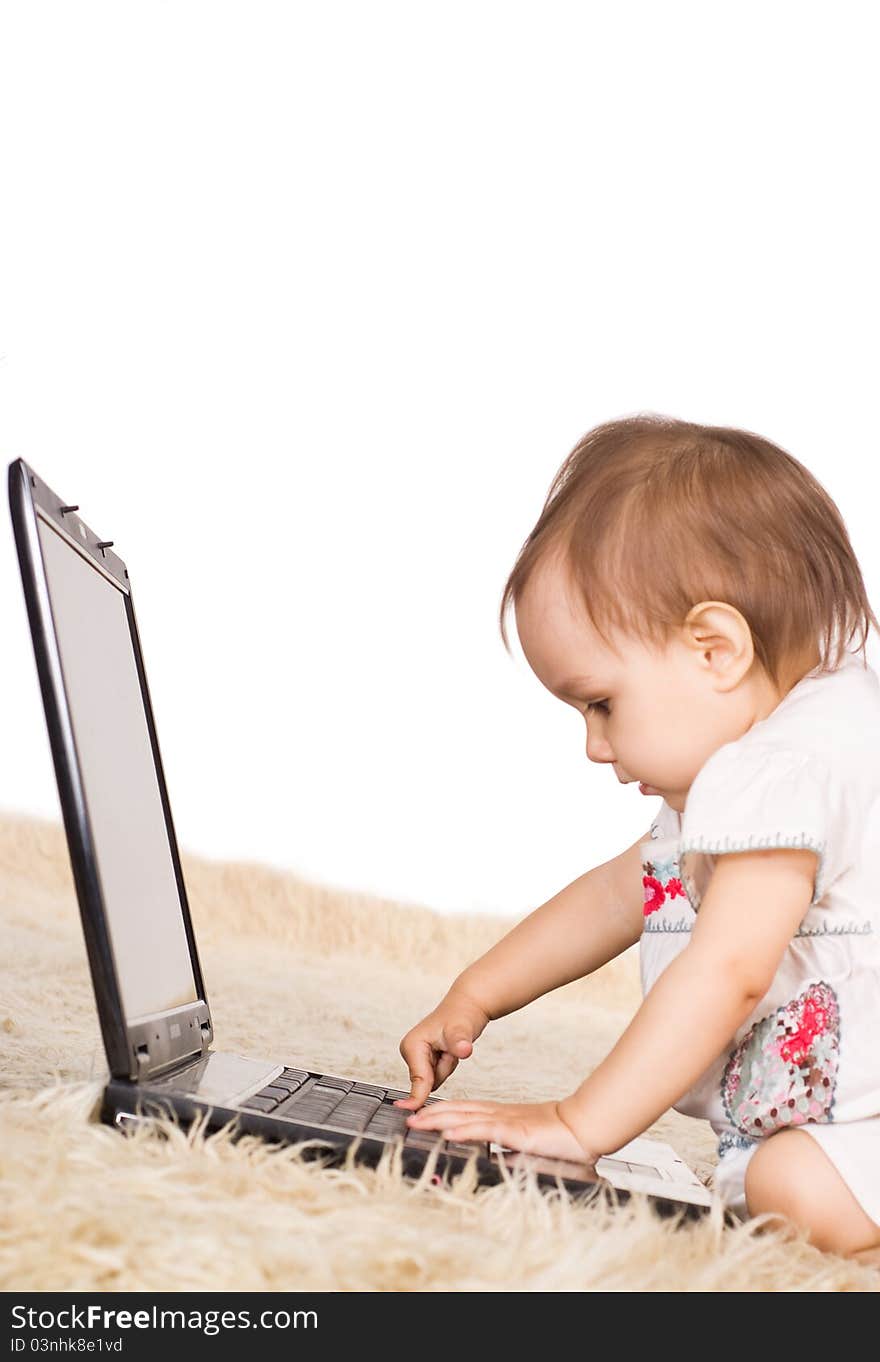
[117, 818]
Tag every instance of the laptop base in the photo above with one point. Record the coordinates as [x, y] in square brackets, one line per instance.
[644, 1165]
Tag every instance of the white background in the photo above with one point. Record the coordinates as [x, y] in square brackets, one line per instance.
[305, 304]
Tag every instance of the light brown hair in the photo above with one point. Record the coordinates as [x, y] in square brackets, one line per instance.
[652, 515]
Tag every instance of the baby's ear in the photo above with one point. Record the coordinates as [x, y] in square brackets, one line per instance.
[720, 642]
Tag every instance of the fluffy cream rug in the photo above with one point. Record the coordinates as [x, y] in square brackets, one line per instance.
[329, 979]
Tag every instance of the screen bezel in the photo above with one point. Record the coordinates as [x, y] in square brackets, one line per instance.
[152, 1044]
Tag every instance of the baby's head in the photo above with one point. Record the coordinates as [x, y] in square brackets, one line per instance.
[679, 581]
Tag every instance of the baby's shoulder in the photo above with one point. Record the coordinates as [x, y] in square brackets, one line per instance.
[762, 792]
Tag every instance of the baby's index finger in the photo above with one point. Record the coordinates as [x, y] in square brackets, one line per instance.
[421, 1088]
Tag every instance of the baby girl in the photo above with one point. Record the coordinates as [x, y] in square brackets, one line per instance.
[692, 591]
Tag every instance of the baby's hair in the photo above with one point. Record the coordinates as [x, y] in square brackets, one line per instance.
[652, 515]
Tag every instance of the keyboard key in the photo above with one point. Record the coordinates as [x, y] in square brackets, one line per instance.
[329, 1081]
[380, 1126]
[300, 1075]
[391, 1113]
[288, 1084]
[271, 1094]
[312, 1103]
[258, 1103]
[370, 1089]
[354, 1111]
[387, 1122]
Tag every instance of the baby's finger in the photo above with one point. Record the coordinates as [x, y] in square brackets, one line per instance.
[446, 1065]
[474, 1130]
[457, 1037]
[440, 1114]
[419, 1056]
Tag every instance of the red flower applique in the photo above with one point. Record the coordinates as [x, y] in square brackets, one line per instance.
[814, 1021]
[655, 895]
[674, 888]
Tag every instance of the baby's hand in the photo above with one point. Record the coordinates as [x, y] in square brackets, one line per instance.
[534, 1127]
[434, 1046]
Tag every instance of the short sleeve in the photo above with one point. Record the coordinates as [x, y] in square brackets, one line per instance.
[751, 797]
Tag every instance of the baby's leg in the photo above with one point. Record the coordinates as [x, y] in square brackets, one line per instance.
[791, 1175]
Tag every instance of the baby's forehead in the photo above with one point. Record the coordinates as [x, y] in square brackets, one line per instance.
[549, 593]
[560, 641]
[549, 620]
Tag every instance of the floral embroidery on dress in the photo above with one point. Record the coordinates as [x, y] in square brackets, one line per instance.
[783, 1073]
[660, 882]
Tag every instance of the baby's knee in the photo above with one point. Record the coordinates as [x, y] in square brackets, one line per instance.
[790, 1175]
[777, 1176]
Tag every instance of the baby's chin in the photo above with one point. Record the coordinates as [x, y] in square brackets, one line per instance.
[674, 798]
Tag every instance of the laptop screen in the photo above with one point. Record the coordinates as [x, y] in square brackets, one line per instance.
[139, 886]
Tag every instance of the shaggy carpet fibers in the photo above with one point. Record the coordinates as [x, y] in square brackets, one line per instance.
[329, 979]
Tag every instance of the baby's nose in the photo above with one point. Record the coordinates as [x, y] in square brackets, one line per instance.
[599, 751]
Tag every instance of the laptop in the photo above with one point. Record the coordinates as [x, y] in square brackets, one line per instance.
[156, 1023]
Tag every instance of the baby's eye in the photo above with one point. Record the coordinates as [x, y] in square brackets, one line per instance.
[600, 705]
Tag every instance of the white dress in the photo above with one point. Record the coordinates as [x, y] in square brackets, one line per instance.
[807, 1056]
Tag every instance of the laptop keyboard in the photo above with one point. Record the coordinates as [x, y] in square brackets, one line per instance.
[360, 1108]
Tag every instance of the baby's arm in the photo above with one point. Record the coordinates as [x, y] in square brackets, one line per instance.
[589, 922]
[752, 908]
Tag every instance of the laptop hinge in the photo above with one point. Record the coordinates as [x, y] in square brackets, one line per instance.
[160, 1043]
